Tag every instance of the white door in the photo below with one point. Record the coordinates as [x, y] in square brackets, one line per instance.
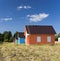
[49, 38]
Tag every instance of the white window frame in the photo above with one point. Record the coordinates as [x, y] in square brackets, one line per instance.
[38, 38]
[48, 38]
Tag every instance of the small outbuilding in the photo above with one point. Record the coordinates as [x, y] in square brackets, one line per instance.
[20, 39]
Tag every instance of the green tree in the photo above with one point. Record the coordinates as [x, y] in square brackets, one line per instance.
[11, 39]
[57, 36]
[1, 38]
[16, 34]
[7, 36]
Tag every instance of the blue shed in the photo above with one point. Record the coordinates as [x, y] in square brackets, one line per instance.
[21, 38]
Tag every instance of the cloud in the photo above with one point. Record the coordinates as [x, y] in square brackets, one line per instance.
[23, 7]
[37, 17]
[6, 19]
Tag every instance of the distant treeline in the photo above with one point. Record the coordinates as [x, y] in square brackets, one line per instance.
[7, 36]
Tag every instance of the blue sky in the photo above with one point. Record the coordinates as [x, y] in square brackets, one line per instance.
[15, 14]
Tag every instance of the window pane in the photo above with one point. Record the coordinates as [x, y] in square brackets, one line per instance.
[49, 38]
[38, 39]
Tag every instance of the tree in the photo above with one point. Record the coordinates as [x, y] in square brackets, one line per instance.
[1, 38]
[11, 39]
[7, 36]
[16, 35]
[57, 36]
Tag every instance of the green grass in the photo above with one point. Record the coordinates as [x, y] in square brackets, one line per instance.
[14, 52]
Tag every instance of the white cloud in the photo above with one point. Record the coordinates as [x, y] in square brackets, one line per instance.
[23, 7]
[6, 19]
[20, 7]
[37, 17]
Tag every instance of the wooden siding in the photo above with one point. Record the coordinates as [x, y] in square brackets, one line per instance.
[32, 39]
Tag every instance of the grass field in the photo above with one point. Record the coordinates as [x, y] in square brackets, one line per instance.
[13, 52]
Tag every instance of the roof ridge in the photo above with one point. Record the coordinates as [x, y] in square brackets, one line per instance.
[39, 25]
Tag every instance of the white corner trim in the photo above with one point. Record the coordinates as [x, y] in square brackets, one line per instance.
[26, 37]
[27, 34]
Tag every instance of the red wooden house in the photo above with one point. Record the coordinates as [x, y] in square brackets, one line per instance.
[35, 34]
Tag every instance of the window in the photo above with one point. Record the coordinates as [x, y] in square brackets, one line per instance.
[49, 38]
[38, 39]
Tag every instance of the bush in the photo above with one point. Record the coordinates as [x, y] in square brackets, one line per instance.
[11, 39]
[6, 40]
